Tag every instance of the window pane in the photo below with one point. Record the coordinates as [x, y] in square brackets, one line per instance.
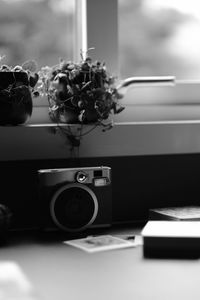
[159, 38]
[36, 29]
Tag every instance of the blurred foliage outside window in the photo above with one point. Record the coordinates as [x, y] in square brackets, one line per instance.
[36, 29]
[158, 37]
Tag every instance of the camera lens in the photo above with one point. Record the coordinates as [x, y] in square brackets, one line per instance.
[74, 207]
[81, 177]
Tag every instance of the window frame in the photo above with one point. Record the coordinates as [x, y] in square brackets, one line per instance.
[96, 25]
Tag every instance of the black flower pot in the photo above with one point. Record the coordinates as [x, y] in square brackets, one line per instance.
[15, 98]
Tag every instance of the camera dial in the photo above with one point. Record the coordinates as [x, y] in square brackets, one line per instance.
[81, 177]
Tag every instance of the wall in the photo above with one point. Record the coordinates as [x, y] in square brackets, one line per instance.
[138, 183]
[153, 164]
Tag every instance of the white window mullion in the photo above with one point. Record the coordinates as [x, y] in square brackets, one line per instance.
[80, 32]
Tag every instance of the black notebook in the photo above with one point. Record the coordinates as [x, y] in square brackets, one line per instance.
[185, 213]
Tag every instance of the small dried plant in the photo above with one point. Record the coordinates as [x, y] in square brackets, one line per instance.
[80, 93]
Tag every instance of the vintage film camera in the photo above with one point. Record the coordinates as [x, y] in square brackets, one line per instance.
[74, 199]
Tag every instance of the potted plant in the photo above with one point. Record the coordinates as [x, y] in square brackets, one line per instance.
[16, 90]
[86, 93]
[79, 93]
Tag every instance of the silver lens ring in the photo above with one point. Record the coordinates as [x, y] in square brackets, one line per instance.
[59, 192]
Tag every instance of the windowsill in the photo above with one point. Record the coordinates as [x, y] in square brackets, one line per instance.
[138, 130]
[36, 141]
[136, 114]
[167, 122]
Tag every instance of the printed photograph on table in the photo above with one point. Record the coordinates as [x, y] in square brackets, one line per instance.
[99, 243]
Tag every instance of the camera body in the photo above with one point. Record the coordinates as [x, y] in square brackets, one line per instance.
[74, 199]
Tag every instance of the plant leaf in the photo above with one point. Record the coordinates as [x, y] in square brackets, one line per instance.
[30, 65]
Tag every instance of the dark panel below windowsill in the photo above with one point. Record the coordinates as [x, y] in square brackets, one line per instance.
[138, 183]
